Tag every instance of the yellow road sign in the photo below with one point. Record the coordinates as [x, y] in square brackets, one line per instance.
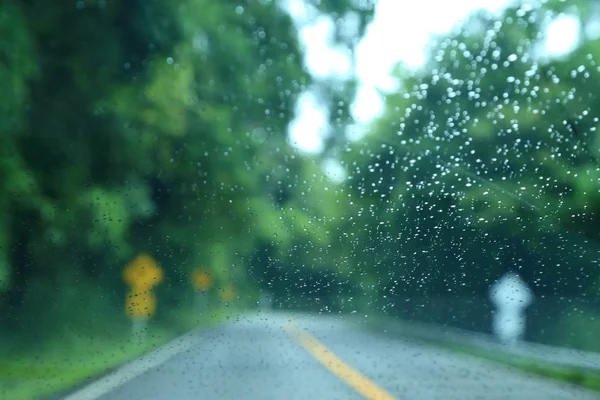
[228, 293]
[142, 273]
[140, 304]
[201, 279]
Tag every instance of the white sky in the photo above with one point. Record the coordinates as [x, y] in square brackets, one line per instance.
[399, 32]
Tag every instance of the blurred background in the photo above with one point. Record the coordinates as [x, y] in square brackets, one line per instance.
[166, 161]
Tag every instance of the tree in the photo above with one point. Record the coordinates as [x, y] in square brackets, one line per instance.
[150, 127]
[480, 165]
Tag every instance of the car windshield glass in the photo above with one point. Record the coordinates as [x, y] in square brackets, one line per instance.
[299, 199]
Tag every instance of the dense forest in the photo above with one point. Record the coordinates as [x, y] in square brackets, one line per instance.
[157, 128]
[161, 128]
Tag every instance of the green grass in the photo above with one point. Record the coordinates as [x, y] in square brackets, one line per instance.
[587, 378]
[581, 377]
[69, 359]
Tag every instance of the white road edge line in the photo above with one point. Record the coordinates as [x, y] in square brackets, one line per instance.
[134, 368]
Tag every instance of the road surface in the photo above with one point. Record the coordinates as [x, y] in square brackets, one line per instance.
[295, 356]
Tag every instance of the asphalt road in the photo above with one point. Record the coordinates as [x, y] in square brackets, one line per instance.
[293, 356]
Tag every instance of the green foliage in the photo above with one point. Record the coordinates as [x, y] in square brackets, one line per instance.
[483, 162]
[160, 128]
[133, 128]
[18, 66]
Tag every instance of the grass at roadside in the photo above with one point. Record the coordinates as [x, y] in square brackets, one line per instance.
[578, 376]
[73, 358]
[583, 377]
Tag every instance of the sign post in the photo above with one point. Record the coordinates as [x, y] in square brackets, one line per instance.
[202, 281]
[265, 300]
[142, 274]
[511, 296]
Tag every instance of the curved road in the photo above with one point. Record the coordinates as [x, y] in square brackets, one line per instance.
[296, 356]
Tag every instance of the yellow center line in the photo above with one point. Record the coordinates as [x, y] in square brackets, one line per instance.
[353, 378]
